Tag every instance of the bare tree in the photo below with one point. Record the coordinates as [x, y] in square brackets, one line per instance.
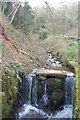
[51, 13]
[15, 12]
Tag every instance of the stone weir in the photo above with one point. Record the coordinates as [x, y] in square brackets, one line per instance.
[50, 72]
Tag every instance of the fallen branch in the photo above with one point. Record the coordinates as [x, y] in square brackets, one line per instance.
[23, 52]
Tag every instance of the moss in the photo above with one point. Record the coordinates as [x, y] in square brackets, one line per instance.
[43, 33]
[55, 102]
[42, 77]
[58, 81]
[10, 78]
[56, 97]
[74, 65]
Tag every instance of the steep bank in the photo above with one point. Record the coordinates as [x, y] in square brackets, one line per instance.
[18, 56]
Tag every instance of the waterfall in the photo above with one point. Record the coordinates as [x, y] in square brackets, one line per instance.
[29, 78]
[45, 99]
[45, 88]
[37, 99]
[34, 91]
[31, 89]
[69, 90]
[67, 111]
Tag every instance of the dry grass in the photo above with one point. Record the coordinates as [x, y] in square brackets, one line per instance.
[55, 45]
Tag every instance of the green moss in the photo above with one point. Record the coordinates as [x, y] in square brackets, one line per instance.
[43, 34]
[11, 77]
[74, 65]
[42, 77]
[55, 102]
[71, 52]
[58, 81]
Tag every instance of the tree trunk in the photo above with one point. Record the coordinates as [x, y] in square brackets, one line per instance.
[10, 13]
[14, 13]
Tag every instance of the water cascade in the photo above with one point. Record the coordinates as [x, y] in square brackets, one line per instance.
[69, 90]
[29, 78]
[45, 99]
[67, 111]
[34, 91]
[32, 109]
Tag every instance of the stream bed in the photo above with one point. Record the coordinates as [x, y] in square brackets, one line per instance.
[37, 100]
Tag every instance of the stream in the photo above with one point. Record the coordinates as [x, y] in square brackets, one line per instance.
[36, 106]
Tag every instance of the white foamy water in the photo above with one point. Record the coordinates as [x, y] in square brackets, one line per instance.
[53, 62]
[67, 112]
[70, 74]
[28, 108]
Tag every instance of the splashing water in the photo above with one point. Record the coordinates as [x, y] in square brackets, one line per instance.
[28, 108]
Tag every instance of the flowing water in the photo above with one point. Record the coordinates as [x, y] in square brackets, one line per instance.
[53, 61]
[67, 111]
[29, 78]
[32, 109]
[45, 97]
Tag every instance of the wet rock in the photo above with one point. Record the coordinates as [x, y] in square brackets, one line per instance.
[50, 85]
[40, 89]
[53, 84]
[56, 98]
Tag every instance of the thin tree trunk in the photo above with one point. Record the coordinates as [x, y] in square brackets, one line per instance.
[50, 12]
[14, 13]
[10, 13]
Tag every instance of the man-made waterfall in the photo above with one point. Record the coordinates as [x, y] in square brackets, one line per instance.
[34, 91]
[69, 90]
[29, 109]
[32, 107]
[67, 111]
[29, 78]
[45, 99]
